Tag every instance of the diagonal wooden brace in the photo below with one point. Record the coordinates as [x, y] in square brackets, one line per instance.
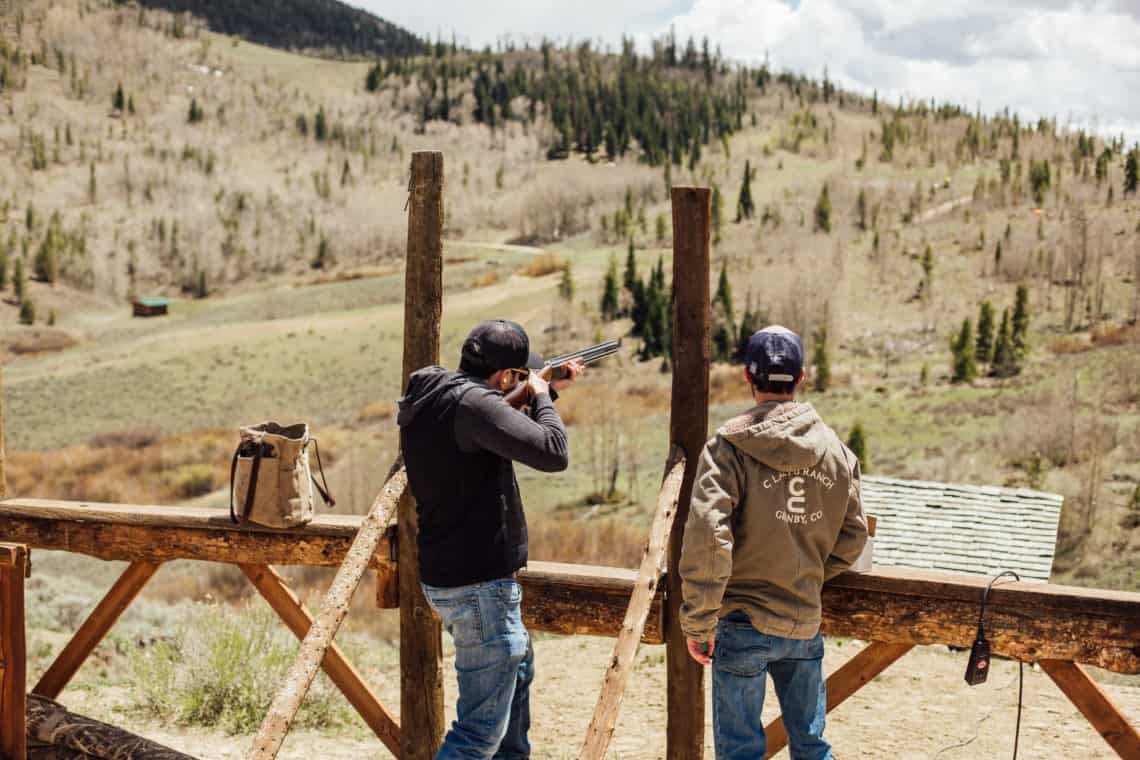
[1095, 705]
[289, 608]
[94, 628]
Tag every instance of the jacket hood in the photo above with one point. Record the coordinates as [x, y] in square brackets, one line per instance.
[784, 435]
[425, 387]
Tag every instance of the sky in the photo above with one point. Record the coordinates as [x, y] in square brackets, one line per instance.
[1076, 60]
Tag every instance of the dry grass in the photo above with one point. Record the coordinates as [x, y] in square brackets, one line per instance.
[39, 341]
[542, 265]
[610, 541]
[377, 411]
[486, 279]
[133, 467]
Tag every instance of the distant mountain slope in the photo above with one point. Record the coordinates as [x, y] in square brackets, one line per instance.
[322, 27]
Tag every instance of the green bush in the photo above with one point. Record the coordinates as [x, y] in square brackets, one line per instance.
[222, 667]
[192, 480]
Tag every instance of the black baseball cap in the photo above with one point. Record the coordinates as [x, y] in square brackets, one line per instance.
[774, 359]
[494, 345]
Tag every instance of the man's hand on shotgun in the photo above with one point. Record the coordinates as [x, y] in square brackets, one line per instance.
[572, 369]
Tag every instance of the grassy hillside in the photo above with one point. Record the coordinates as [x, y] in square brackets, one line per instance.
[280, 244]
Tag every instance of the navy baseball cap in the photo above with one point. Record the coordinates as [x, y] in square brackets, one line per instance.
[774, 359]
[494, 345]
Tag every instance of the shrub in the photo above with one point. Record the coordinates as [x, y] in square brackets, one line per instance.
[192, 480]
[542, 265]
[222, 668]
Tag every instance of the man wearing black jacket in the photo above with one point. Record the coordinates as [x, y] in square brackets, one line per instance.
[459, 439]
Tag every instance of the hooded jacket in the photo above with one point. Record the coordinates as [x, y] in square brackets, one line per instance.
[459, 439]
[776, 511]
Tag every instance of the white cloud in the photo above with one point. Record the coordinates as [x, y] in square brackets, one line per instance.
[1077, 59]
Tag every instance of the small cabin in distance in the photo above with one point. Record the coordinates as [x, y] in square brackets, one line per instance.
[150, 307]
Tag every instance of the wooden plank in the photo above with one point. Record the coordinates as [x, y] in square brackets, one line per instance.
[856, 673]
[602, 724]
[1094, 704]
[94, 628]
[688, 429]
[421, 634]
[159, 534]
[1025, 621]
[584, 600]
[13, 654]
[320, 635]
[289, 608]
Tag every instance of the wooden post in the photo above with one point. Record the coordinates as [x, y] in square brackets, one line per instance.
[289, 608]
[601, 727]
[13, 656]
[854, 675]
[421, 636]
[94, 629]
[688, 428]
[1095, 705]
[3, 453]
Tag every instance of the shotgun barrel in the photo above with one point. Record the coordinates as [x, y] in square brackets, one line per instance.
[587, 355]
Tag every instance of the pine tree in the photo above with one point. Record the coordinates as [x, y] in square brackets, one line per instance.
[3, 267]
[857, 442]
[1132, 171]
[745, 208]
[374, 78]
[92, 187]
[820, 361]
[118, 100]
[662, 227]
[566, 284]
[19, 280]
[926, 287]
[1019, 332]
[861, 210]
[321, 124]
[717, 213]
[201, 291]
[1004, 363]
[324, 257]
[45, 264]
[985, 342]
[195, 114]
[609, 305]
[724, 329]
[629, 276]
[823, 211]
[27, 312]
[965, 360]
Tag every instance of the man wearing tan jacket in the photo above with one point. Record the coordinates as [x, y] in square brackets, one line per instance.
[776, 511]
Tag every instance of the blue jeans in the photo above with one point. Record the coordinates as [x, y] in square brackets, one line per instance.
[495, 665]
[742, 659]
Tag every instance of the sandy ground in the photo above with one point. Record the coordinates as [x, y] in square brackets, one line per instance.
[918, 708]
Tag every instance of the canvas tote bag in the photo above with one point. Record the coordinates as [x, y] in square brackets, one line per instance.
[270, 480]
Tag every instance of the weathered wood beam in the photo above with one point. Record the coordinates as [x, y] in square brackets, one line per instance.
[320, 635]
[1095, 705]
[688, 429]
[13, 652]
[94, 628]
[601, 727]
[289, 608]
[852, 676]
[76, 736]
[1024, 621]
[421, 633]
[134, 532]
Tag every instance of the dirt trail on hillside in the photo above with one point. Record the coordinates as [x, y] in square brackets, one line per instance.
[920, 708]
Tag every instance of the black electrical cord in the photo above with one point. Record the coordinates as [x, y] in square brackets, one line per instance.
[1020, 664]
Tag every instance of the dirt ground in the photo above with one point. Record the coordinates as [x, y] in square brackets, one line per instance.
[918, 708]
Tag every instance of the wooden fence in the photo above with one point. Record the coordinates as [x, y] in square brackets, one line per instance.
[895, 609]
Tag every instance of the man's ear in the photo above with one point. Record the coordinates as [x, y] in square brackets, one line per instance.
[802, 378]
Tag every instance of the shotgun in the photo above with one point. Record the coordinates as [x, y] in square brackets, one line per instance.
[520, 396]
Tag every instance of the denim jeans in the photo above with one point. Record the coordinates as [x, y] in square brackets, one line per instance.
[494, 662]
[741, 661]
